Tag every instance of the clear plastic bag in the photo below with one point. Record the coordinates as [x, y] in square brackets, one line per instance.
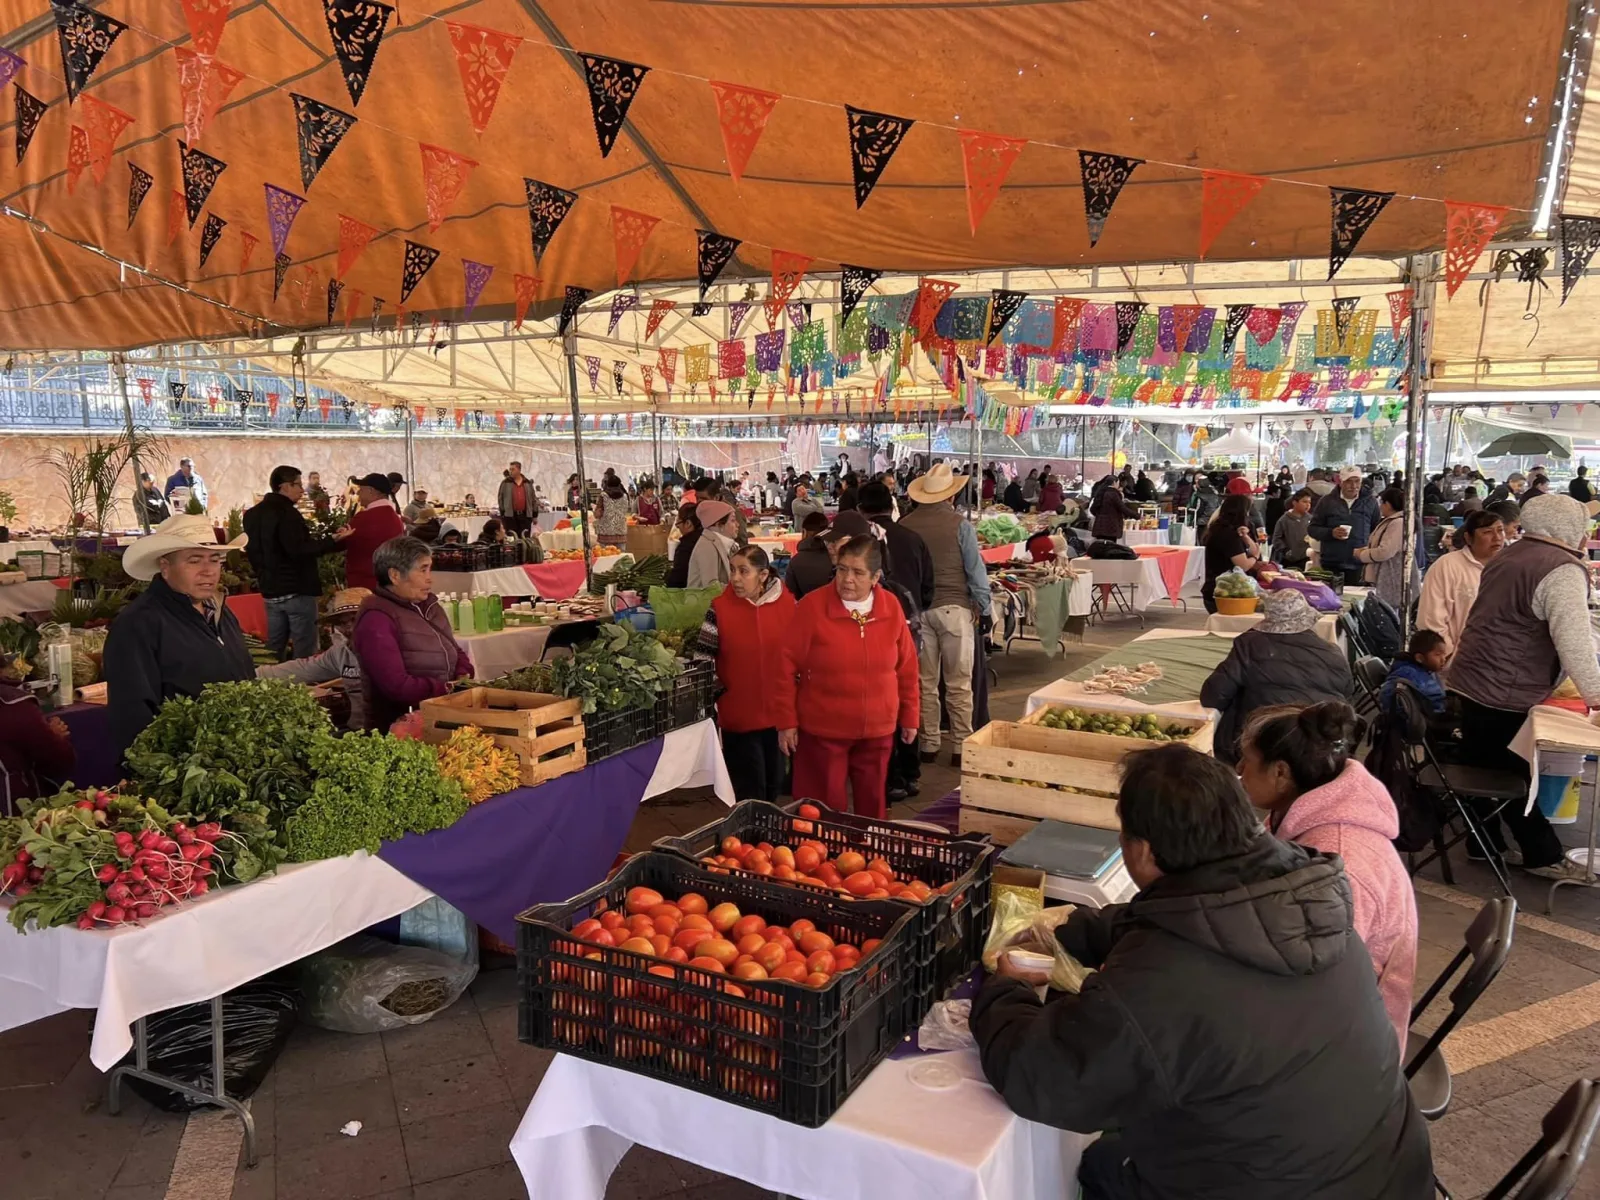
[1021, 924]
[946, 1027]
[366, 985]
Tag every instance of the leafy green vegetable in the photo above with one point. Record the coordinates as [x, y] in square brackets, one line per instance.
[370, 789]
[621, 668]
[1001, 530]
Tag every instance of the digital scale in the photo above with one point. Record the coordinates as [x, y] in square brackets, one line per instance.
[1081, 864]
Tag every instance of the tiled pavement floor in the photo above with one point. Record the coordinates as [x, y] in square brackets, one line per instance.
[438, 1102]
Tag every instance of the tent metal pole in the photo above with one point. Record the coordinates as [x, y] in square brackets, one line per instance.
[976, 482]
[120, 363]
[1083, 449]
[1422, 296]
[577, 450]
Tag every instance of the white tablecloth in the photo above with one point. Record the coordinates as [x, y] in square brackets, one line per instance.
[9, 550]
[495, 654]
[1156, 537]
[18, 598]
[1554, 741]
[470, 526]
[507, 581]
[1327, 625]
[891, 1140]
[196, 950]
[562, 539]
[1139, 578]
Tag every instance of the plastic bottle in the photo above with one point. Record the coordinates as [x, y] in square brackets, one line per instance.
[468, 615]
[480, 612]
[497, 612]
[452, 609]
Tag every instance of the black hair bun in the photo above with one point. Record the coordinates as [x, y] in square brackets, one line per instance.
[1330, 722]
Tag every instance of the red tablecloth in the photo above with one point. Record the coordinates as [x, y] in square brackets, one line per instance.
[998, 554]
[557, 580]
[1171, 561]
[250, 609]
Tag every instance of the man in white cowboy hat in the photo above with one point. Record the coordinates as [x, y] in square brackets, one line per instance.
[338, 661]
[179, 635]
[960, 600]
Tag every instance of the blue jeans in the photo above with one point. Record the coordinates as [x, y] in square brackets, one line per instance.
[292, 618]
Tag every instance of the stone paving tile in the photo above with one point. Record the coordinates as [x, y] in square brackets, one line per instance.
[494, 989]
[454, 1034]
[41, 1054]
[259, 1182]
[137, 1191]
[447, 1088]
[325, 1111]
[502, 1182]
[149, 1157]
[315, 1059]
[464, 1141]
[339, 1167]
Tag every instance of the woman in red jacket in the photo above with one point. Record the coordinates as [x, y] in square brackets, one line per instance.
[849, 684]
[377, 521]
[744, 631]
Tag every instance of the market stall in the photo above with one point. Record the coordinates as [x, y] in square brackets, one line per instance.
[1179, 566]
[502, 651]
[1186, 660]
[34, 595]
[894, 1138]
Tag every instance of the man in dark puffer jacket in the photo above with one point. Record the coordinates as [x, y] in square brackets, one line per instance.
[1231, 1039]
[1281, 661]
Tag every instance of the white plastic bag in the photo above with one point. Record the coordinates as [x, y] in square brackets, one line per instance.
[366, 985]
[946, 1027]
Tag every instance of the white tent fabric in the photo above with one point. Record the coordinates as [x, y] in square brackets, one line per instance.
[1239, 442]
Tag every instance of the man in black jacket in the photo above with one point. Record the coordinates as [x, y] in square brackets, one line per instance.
[1282, 660]
[179, 635]
[1232, 1037]
[811, 565]
[284, 555]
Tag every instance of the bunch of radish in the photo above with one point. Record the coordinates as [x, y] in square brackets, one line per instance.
[153, 869]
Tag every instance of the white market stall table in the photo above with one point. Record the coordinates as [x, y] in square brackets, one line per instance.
[1186, 660]
[193, 953]
[32, 596]
[1557, 741]
[10, 550]
[506, 581]
[470, 524]
[891, 1140]
[1129, 584]
[1327, 625]
[512, 648]
[1157, 537]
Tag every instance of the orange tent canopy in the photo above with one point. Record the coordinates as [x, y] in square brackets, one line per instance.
[1430, 101]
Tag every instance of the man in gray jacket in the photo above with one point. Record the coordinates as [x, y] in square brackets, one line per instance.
[517, 503]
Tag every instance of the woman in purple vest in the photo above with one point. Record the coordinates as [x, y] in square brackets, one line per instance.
[1526, 631]
[403, 637]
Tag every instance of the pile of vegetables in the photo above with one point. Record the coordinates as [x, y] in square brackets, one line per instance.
[98, 858]
[1235, 585]
[621, 668]
[370, 789]
[1001, 530]
[1145, 726]
[649, 571]
[21, 638]
[482, 769]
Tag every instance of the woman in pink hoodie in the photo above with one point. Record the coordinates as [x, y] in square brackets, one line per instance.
[1295, 763]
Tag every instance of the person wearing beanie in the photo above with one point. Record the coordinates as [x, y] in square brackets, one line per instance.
[710, 560]
[375, 523]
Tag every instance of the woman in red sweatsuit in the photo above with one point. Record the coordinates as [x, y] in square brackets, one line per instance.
[744, 631]
[849, 684]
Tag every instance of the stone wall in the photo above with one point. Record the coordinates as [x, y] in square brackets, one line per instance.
[236, 467]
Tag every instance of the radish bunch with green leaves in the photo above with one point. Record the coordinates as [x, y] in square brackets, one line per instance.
[97, 858]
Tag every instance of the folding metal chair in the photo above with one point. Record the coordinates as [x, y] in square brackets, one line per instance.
[1552, 1165]
[1487, 943]
[1370, 672]
[1454, 784]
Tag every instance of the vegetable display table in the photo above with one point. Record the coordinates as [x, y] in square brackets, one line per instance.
[1327, 625]
[892, 1140]
[510, 649]
[1186, 659]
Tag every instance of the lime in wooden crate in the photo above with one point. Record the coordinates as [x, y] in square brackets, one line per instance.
[544, 732]
[1060, 763]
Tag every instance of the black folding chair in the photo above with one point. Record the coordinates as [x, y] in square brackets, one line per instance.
[1487, 943]
[1552, 1166]
[1355, 644]
[1454, 785]
[1370, 672]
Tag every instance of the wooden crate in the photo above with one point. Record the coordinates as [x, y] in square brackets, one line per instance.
[544, 732]
[1083, 744]
[1049, 761]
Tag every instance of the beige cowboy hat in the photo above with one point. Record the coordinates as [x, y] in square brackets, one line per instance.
[939, 483]
[182, 532]
[344, 602]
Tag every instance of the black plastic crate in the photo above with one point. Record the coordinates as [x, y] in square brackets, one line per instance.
[782, 1048]
[694, 694]
[949, 929]
[691, 699]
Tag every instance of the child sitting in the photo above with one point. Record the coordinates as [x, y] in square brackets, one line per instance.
[1419, 666]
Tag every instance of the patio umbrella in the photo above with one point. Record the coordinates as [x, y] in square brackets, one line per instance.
[1523, 444]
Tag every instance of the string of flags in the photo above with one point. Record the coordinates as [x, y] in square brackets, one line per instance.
[484, 58]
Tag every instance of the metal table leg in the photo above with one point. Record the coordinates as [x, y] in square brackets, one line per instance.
[217, 1096]
[1589, 879]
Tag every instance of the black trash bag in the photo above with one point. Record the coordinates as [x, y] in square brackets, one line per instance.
[257, 1020]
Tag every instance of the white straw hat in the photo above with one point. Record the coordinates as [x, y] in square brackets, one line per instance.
[940, 482]
[182, 532]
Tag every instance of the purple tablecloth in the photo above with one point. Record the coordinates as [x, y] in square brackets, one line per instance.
[90, 727]
[533, 845]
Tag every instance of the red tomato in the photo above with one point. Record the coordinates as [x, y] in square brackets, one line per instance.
[782, 856]
[639, 945]
[584, 928]
[800, 927]
[807, 860]
[810, 810]
[691, 902]
[829, 874]
[723, 917]
[795, 971]
[845, 957]
[666, 910]
[822, 962]
[666, 925]
[602, 937]
[695, 921]
[708, 964]
[782, 872]
[793, 956]
[744, 958]
[881, 866]
[861, 883]
[750, 943]
[868, 946]
[613, 919]
[850, 862]
[813, 940]
[640, 923]
[720, 949]
[879, 879]
[747, 925]
[690, 938]
[676, 954]
[777, 933]
[816, 980]
[876, 894]
[642, 899]
[772, 955]
[750, 970]
[756, 859]
[661, 942]
[731, 845]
